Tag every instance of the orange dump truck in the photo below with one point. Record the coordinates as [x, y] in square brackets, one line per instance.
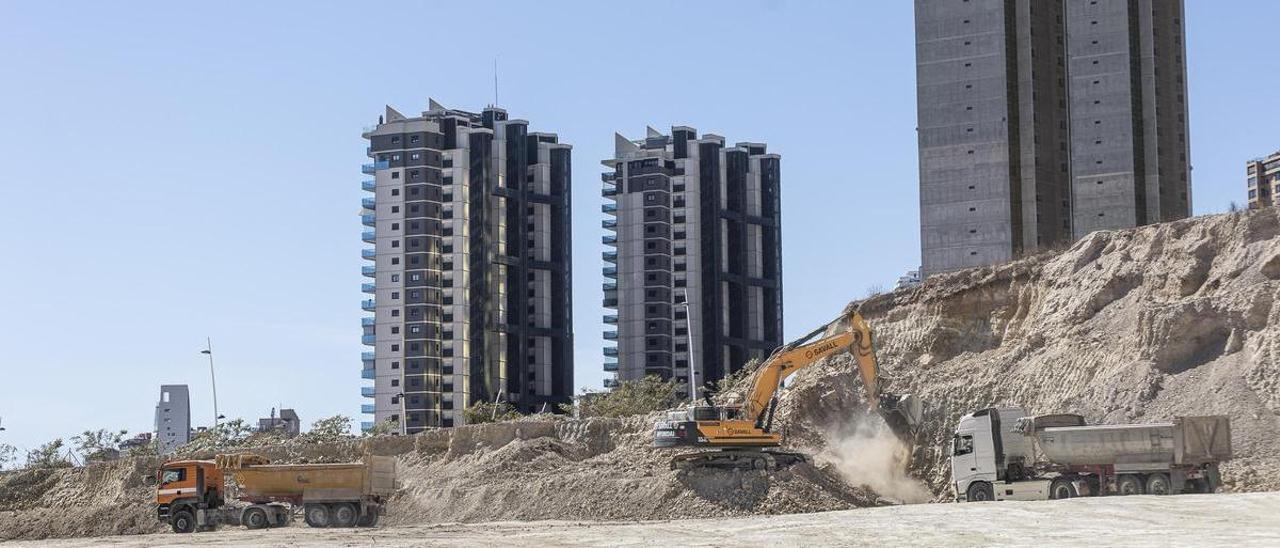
[196, 495]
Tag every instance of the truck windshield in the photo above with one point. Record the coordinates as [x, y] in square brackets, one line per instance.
[171, 475]
[963, 445]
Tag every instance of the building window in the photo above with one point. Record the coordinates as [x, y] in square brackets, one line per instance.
[395, 174]
[395, 348]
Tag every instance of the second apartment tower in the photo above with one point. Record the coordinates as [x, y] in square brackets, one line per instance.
[1043, 120]
[693, 267]
[471, 300]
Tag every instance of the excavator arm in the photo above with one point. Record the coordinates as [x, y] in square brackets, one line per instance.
[851, 333]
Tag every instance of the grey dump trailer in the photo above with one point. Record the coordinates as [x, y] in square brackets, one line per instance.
[1003, 453]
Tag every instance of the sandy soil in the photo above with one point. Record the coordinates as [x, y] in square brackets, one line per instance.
[1248, 519]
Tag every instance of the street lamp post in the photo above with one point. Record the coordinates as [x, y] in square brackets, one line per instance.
[404, 420]
[213, 379]
[693, 356]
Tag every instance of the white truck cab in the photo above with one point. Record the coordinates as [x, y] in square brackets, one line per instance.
[989, 453]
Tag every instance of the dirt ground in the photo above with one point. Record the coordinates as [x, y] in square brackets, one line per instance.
[1244, 519]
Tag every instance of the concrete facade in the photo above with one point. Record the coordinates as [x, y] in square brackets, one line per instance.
[1262, 179]
[1008, 120]
[173, 418]
[695, 273]
[471, 281]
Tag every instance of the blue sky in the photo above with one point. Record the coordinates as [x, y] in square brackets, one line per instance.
[179, 170]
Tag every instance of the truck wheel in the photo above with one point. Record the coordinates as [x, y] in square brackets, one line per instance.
[255, 518]
[183, 522]
[345, 514]
[316, 515]
[1062, 489]
[370, 519]
[981, 492]
[1128, 484]
[1158, 484]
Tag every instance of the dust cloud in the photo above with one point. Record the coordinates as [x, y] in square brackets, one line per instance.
[866, 453]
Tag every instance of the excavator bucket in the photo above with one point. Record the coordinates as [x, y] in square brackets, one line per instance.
[902, 414]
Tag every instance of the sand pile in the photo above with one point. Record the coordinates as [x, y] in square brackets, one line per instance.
[1126, 326]
[529, 469]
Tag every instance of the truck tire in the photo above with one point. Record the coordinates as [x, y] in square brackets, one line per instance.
[344, 514]
[316, 515]
[255, 518]
[1158, 484]
[183, 521]
[1062, 488]
[368, 520]
[1128, 484]
[981, 492]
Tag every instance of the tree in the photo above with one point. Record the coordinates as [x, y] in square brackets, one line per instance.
[875, 290]
[48, 455]
[489, 412]
[636, 397]
[328, 429]
[231, 433]
[1233, 207]
[8, 454]
[94, 444]
[384, 428]
[731, 382]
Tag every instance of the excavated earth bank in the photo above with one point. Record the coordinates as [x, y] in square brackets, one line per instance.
[1135, 325]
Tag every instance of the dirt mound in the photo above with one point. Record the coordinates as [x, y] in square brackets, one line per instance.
[1125, 326]
[599, 469]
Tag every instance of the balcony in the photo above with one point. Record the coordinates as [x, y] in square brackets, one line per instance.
[370, 169]
[367, 373]
[609, 239]
[611, 303]
[610, 272]
[367, 288]
[610, 286]
[366, 391]
[611, 319]
[611, 351]
[366, 321]
[366, 408]
[610, 335]
[609, 191]
[368, 254]
[610, 257]
[609, 223]
[368, 236]
[610, 367]
[368, 219]
[611, 383]
[368, 340]
[369, 203]
[366, 426]
[611, 209]
[367, 357]
[369, 271]
[368, 186]
[368, 305]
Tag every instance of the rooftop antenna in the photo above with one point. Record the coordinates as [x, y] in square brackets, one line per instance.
[495, 81]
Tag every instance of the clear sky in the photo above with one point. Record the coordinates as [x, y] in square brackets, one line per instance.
[177, 170]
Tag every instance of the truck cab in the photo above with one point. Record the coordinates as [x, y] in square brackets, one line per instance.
[987, 448]
[185, 487]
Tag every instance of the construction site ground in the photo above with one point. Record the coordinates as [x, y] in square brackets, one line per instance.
[1245, 519]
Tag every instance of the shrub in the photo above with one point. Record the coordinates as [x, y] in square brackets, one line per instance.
[483, 412]
[637, 397]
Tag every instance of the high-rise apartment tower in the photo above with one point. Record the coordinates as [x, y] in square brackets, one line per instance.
[469, 221]
[695, 274]
[1043, 120]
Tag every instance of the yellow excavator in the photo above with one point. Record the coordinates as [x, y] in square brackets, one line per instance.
[742, 436]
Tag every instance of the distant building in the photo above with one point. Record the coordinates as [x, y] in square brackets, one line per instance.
[139, 441]
[173, 417]
[1040, 122]
[1263, 180]
[908, 280]
[694, 269]
[471, 286]
[287, 422]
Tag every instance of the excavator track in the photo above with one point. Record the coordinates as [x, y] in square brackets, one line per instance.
[738, 459]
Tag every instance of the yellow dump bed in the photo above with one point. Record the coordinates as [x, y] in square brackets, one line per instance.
[259, 480]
